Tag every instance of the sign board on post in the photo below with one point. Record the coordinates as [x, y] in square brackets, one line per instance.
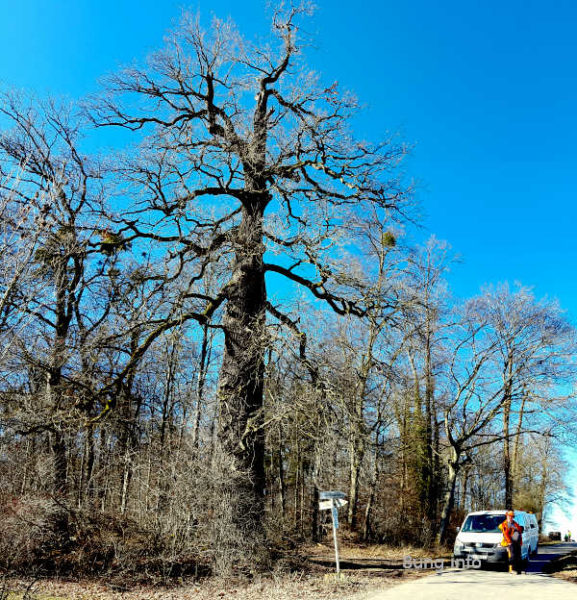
[328, 504]
[333, 500]
[332, 494]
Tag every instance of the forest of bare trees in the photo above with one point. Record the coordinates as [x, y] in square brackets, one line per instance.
[206, 328]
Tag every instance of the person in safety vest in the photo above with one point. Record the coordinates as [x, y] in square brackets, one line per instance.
[513, 539]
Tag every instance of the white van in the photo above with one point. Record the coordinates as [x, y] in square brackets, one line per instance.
[532, 530]
[480, 537]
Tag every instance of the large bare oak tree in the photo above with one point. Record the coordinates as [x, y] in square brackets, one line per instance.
[246, 168]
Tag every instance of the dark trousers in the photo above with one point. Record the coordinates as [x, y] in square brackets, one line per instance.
[515, 561]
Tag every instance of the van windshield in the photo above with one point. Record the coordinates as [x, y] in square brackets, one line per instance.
[483, 523]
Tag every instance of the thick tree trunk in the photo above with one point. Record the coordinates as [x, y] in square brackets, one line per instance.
[240, 434]
[54, 395]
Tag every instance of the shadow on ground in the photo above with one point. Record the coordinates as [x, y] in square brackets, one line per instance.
[543, 562]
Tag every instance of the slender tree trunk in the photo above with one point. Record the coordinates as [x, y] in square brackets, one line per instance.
[302, 505]
[431, 475]
[508, 389]
[280, 475]
[507, 456]
[354, 472]
[449, 499]
[296, 482]
[200, 383]
[24, 482]
[464, 489]
[126, 479]
[436, 462]
[358, 432]
[356, 449]
[166, 429]
[104, 469]
[404, 444]
[518, 436]
[60, 486]
[372, 496]
[58, 447]
[420, 446]
[315, 512]
[89, 468]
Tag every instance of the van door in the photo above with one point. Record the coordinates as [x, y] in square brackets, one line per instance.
[534, 533]
[523, 520]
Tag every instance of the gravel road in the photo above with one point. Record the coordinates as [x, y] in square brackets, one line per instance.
[453, 584]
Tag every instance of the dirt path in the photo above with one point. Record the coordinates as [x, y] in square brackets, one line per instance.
[459, 585]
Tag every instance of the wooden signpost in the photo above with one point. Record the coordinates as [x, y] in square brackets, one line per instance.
[333, 500]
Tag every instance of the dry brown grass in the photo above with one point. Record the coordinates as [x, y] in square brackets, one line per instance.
[372, 568]
[568, 575]
[286, 587]
[374, 552]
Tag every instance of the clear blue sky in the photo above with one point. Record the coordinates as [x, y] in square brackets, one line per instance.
[485, 89]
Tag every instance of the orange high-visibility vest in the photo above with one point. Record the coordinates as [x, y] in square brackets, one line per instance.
[508, 532]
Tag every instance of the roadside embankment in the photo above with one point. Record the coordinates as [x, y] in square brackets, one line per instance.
[564, 567]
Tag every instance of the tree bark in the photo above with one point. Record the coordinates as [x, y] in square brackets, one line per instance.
[356, 456]
[507, 472]
[367, 529]
[357, 433]
[200, 383]
[518, 436]
[449, 499]
[60, 480]
[507, 455]
[431, 476]
[241, 435]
